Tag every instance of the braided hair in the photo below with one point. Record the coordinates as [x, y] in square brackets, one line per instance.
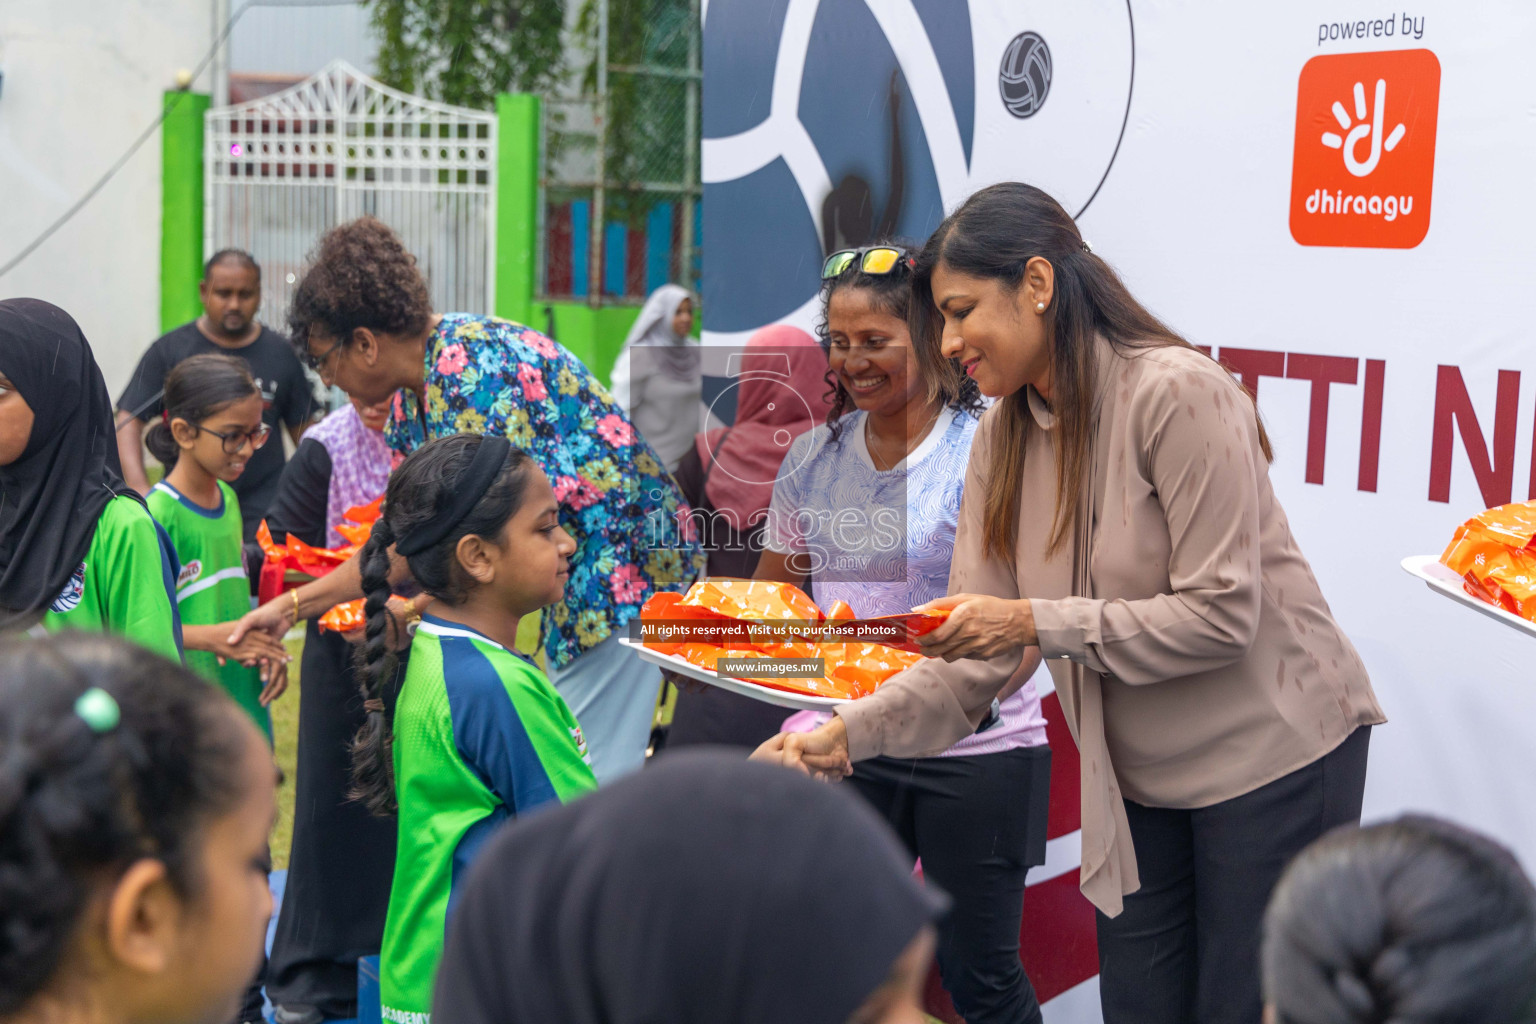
[424, 482]
[79, 806]
[890, 294]
[1414, 920]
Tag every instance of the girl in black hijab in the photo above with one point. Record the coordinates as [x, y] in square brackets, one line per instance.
[78, 549]
[678, 896]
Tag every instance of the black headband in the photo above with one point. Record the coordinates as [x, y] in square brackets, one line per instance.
[471, 486]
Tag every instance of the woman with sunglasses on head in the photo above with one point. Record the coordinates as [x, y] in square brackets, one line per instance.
[1119, 517]
[727, 479]
[78, 549]
[865, 510]
[362, 317]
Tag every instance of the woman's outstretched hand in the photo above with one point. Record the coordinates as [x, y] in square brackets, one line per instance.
[979, 626]
[273, 618]
[821, 753]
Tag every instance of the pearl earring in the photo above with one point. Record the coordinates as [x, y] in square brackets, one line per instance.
[1039, 307]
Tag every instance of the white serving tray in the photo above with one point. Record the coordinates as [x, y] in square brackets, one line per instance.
[766, 694]
[1444, 581]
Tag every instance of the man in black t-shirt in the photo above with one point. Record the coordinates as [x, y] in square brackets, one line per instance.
[231, 293]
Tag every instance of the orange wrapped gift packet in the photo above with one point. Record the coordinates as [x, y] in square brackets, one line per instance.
[345, 617]
[1505, 578]
[1495, 554]
[853, 667]
[754, 600]
[297, 555]
[357, 522]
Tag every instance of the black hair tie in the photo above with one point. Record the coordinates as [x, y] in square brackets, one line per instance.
[471, 486]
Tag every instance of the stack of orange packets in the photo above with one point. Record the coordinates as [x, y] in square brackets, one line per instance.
[1494, 552]
[294, 562]
[853, 668]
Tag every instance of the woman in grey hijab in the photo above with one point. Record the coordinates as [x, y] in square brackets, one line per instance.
[657, 377]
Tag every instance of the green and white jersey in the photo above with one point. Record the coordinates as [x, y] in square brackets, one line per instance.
[480, 735]
[212, 586]
[125, 584]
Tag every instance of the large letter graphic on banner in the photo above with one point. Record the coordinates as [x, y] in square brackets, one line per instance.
[1370, 423]
[1495, 472]
[1249, 364]
[1321, 371]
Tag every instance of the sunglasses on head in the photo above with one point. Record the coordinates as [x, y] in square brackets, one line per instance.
[876, 259]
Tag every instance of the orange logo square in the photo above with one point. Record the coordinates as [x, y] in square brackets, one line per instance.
[1364, 161]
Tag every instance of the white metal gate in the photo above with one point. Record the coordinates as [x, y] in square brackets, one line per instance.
[280, 170]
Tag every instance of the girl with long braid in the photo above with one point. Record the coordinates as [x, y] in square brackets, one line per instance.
[473, 733]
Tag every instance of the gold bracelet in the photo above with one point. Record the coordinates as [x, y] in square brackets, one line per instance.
[295, 593]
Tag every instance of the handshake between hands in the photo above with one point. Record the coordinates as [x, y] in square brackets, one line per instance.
[821, 753]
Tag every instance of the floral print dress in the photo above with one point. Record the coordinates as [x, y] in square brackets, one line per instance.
[631, 526]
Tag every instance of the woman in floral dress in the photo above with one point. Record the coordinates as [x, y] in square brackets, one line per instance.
[362, 319]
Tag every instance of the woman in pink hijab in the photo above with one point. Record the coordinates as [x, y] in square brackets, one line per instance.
[782, 392]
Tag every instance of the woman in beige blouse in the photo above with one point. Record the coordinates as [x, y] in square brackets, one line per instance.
[1119, 521]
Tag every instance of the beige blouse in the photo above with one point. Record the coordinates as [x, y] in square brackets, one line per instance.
[1196, 662]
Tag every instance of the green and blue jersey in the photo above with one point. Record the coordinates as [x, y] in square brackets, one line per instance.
[480, 736]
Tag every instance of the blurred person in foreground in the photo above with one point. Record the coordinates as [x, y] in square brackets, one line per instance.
[1413, 921]
[680, 895]
[135, 805]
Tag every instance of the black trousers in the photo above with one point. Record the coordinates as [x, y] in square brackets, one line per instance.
[1186, 946]
[721, 718]
[978, 823]
[342, 859]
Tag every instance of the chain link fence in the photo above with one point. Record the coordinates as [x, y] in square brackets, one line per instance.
[619, 174]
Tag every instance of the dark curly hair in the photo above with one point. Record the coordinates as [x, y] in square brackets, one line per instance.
[78, 806]
[360, 275]
[891, 294]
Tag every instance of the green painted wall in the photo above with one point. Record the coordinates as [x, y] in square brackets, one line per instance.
[181, 207]
[594, 335]
[517, 204]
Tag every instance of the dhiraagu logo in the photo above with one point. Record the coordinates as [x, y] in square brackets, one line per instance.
[1364, 161]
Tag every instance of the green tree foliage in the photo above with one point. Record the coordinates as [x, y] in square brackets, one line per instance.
[466, 51]
[647, 139]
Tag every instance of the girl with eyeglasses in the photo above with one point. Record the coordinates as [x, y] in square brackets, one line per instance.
[78, 549]
[210, 429]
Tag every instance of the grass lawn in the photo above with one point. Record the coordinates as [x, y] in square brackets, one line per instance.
[285, 732]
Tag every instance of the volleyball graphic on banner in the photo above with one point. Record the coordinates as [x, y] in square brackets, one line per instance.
[1025, 76]
[830, 125]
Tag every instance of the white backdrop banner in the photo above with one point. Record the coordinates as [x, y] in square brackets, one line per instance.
[1332, 197]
